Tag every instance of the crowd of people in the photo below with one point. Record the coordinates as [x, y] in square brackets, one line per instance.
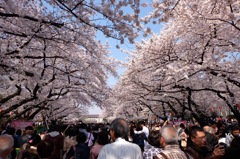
[122, 140]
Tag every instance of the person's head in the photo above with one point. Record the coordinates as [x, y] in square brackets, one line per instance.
[197, 136]
[10, 131]
[235, 131]
[54, 128]
[82, 126]
[182, 126]
[119, 128]
[139, 127]
[19, 132]
[29, 130]
[44, 149]
[153, 138]
[169, 136]
[142, 123]
[88, 129]
[102, 138]
[6, 145]
[215, 128]
[81, 137]
[71, 132]
[105, 128]
[206, 128]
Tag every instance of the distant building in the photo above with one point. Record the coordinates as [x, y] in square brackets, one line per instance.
[91, 118]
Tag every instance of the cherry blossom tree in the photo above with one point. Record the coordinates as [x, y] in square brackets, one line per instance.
[192, 65]
[51, 62]
[50, 59]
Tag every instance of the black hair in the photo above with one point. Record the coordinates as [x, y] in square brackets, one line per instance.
[193, 131]
[19, 132]
[102, 138]
[236, 127]
[82, 126]
[139, 127]
[54, 128]
[182, 125]
[72, 131]
[81, 137]
[88, 128]
[10, 131]
[153, 138]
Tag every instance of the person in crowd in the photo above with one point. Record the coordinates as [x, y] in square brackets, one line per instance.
[139, 138]
[120, 148]
[69, 139]
[100, 142]
[95, 131]
[6, 145]
[18, 134]
[181, 129]
[156, 126]
[215, 129]
[182, 136]
[90, 137]
[11, 131]
[234, 149]
[198, 146]
[43, 133]
[81, 150]
[82, 128]
[44, 149]
[30, 148]
[144, 130]
[57, 139]
[153, 148]
[222, 131]
[29, 131]
[234, 133]
[132, 128]
[210, 138]
[169, 142]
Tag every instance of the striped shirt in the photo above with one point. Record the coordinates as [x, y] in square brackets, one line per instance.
[173, 152]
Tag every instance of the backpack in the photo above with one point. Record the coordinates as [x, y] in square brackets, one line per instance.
[80, 152]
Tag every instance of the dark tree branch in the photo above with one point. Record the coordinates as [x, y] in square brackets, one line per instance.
[17, 93]
[13, 15]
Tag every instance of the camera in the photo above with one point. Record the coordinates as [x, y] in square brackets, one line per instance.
[223, 145]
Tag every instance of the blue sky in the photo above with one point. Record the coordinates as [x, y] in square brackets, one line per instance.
[116, 53]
